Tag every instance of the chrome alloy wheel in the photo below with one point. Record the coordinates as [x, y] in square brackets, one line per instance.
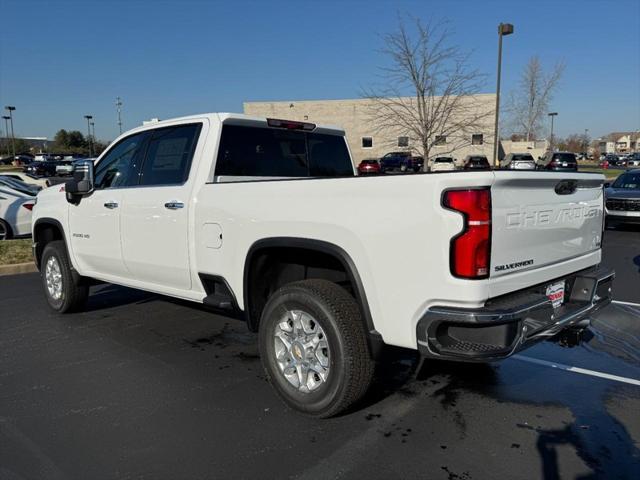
[3, 231]
[53, 277]
[301, 350]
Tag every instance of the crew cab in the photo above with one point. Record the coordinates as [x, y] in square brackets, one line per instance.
[261, 219]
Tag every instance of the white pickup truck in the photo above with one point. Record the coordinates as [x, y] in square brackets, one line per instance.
[265, 220]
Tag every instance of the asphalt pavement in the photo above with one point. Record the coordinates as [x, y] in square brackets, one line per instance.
[142, 386]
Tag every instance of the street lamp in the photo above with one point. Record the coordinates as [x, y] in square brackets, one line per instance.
[6, 128]
[89, 117]
[119, 107]
[586, 141]
[13, 136]
[503, 29]
[552, 114]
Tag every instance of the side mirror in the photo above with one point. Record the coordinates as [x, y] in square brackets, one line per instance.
[82, 182]
[607, 184]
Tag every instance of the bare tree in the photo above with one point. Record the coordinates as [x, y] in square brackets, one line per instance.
[529, 103]
[426, 90]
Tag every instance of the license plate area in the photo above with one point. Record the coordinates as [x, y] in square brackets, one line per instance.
[555, 293]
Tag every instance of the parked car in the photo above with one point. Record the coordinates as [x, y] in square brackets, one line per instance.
[614, 160]
[22, 159]
[518, 161]
[604, 164]
[443, 164]
[402, 161]
[622, 199]
[15, 213]
[633, 160]
[40, 182]
[476, 162]
[300, 260]
[19, 185]
[64, 167]
[369, 166]
[559, 162]
[42, 168]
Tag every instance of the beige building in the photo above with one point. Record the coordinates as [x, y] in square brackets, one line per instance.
[537, 148]
[367, 141]
[620, 142]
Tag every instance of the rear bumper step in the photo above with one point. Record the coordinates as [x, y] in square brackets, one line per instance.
[510, 323]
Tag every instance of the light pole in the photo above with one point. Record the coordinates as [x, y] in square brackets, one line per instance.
[503, 29]
[586, 142]
[6, 128]
[118, 106]
[552, 114]
[89, 117]
[13, 136]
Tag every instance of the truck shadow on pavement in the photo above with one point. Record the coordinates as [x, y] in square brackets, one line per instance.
[595, 434]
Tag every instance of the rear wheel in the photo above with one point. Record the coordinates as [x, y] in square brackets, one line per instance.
[314, 348]
[65, 291]
[5, 230]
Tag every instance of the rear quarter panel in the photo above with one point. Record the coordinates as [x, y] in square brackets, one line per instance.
[392, 227]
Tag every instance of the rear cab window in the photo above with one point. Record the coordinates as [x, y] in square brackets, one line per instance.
[564, 157]
[257, 152]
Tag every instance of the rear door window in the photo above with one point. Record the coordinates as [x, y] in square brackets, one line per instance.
[270, 152]
[169, 155]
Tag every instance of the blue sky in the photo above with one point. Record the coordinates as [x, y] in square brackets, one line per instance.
[64, 59]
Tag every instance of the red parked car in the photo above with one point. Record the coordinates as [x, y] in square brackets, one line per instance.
[368, 167]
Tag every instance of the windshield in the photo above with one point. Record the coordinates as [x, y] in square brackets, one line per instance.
[19, 185]
[628, 181]
[444, 160]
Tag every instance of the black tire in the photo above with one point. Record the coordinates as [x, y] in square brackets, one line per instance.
[75, 289]
[5, 230]
[350, 365]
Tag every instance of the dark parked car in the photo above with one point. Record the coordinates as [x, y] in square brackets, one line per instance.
[614, 160]
[476, 162]
[622, 199]
[42, 168]
[369, 166]
[402, 161]
[559, 162]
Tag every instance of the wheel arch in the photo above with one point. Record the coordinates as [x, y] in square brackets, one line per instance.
[46, 230]
[265, 246]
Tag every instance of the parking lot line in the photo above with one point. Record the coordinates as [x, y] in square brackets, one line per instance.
[584, 371]
[631, 304]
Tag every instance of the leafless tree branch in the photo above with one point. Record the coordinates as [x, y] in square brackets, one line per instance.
[427, 89]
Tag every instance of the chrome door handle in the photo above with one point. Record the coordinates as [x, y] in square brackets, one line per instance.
[173, 205]
[111, 205]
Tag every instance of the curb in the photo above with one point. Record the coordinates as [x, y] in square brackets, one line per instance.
[28, 267]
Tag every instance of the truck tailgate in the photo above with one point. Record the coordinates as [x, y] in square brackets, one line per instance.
[543, 218]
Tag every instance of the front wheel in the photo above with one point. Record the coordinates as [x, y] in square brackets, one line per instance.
[314, 349]
[65, 292]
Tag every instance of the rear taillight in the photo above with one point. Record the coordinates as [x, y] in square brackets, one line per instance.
[28, 206]
[471, 248]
